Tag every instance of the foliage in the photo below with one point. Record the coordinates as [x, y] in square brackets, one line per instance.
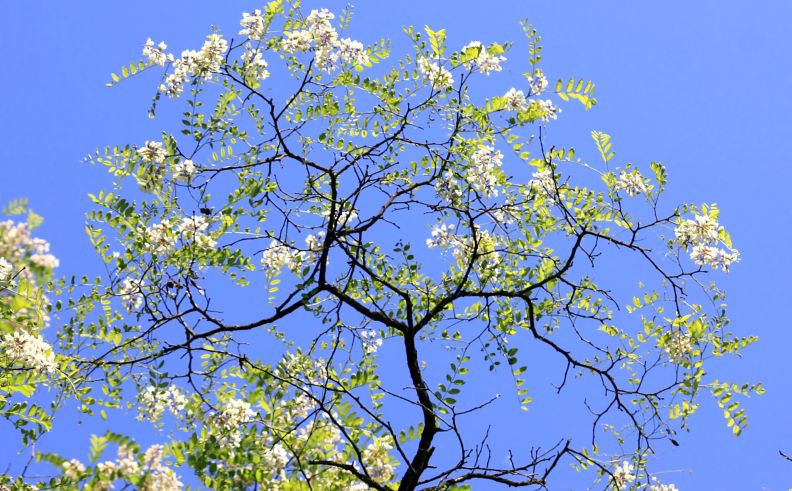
[310, 278]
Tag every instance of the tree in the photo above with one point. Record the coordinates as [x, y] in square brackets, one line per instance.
[396, 229]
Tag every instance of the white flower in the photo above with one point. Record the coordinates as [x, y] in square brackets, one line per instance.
[278, 255]
[6, 274]
[543, 183]
[703, 229]
[705, 255]
[159, 238]
[538, 82]
[515, 100]
[193, 225]
[131, 294]
[486, 62]
[443, 237]
[483, 174]
[156, 54]
[73, 469]
[234, 413]
[663, 487]
[371, 341]
[296, 41]
[127, 465]
[107, 467]
[45, 260]
[633, 183]
[155, 401]
[152, 152]
[352, 52]
[255, 61]
[377, 459]
[184, 171]
[205, 242]
[253, 25]
[546, 107]
[275, 458]
[447, 187]
[623, 474]
[678, 346]
[28, 350]
[436, 75]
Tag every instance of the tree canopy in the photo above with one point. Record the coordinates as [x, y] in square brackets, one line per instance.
[324, 270]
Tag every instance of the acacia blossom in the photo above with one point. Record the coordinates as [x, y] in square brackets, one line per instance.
[203, 63]
[228, 420]
[701, 235]
[156, 54]
[515, 100]
[152, 152]
[6, 274]
[371, 341]
[154, 401]
[255, 61]
[28, 350]
[633, 183]
[538, 82]
[73, 469]
[131, 295]
[183, 171]
[437, 76]
[485, 61]
[483, 174]
[543, 183]
[677, 346]
[253, 25]
[623, 474]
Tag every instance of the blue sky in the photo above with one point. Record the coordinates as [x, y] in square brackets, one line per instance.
[700, 86]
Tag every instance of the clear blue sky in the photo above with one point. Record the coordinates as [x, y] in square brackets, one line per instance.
[701, 86]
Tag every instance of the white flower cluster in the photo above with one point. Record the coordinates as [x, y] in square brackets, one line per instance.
[483, 174]
[73, 469]
[702, 235]
[437, 76]
[153, 475]
[448, 188]
[371, 341]
[202, 63]
[156, 55]
[485, 61]
[194, 229]
[463, 248]
[275, 458]
[678, 346]
[623, 474]
[161, 238]
[152, 152]
[254, 59]
[278, 255]
[517, 101]
[320, 35]
[376, 457]
[131, 294]
[538, 82]
[229, 419]
[633, 183]
[253, 25]
[543, 183]
[184, 171]
[154, 401]
[301, 367]
[6, 274]
[662, 487]
[28, 351]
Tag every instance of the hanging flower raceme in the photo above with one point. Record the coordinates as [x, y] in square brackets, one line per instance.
[702, 236]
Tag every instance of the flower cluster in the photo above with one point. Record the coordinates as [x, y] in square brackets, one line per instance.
[662, 487]
[254, 59]
[516, 101]
[623, 474]
[253, 25]
[73, 469]
[6, 274]
[28, 350]
[543, 183]
[376, 457]
[154, 401]
[483, 245]
[152, 152]
[202, 63]
[371, 341]
[546, 108]
[443, 237]
[437, 76]
[483, 174]
[277, 256]
[538, 82]
[485, 61]
[131, 294]
[152, 474]
[183, 171]
[320, 35]
[156, 55]
[448, 188]
[228, 420]
[702, 234]
[633, 183]
[677, 346]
